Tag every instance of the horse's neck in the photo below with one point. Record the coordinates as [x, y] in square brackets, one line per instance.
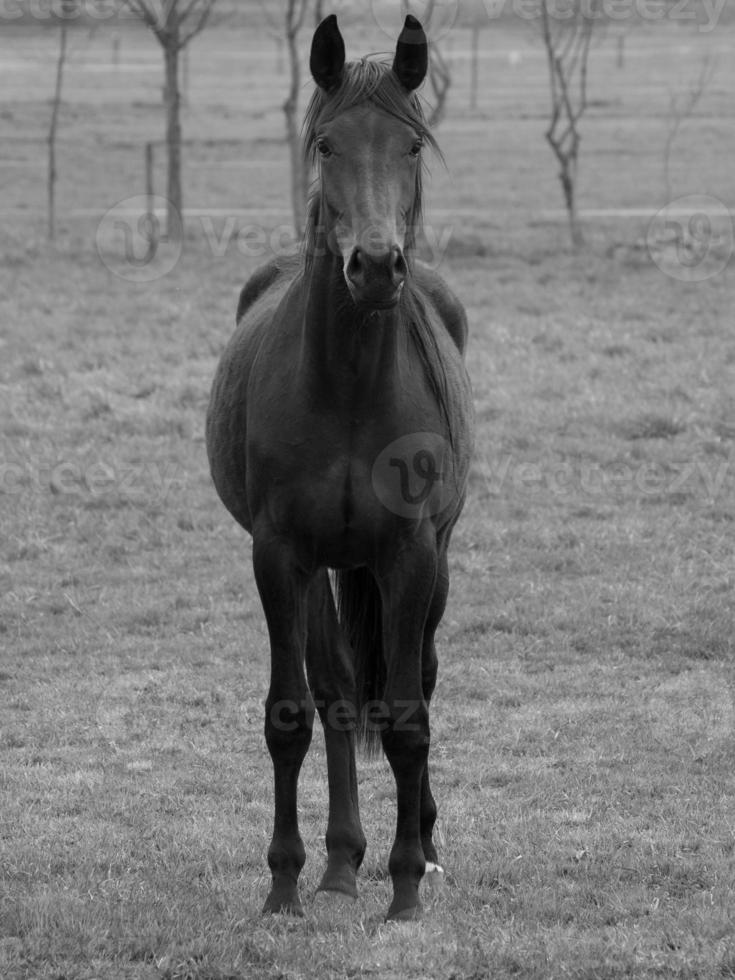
[351, 355]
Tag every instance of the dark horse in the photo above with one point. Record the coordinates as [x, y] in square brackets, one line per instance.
[339, 435]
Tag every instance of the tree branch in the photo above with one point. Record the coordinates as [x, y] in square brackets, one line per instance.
[149, 17]
[199, 26]
[146, 13]
[200, 22]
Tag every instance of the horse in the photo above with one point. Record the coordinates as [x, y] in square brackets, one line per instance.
[339, 435]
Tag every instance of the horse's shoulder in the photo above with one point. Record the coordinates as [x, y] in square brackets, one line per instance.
[449, 308]
[265, 276]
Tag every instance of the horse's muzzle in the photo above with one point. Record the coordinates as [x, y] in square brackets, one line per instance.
[375, 279]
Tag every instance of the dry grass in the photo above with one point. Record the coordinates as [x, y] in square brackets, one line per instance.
[583, 722]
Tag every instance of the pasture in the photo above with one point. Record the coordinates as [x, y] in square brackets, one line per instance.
[583, 724]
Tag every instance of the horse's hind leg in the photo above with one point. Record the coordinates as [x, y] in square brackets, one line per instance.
[289, 711]
[332, 681]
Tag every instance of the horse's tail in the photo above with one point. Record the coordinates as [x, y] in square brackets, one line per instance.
[360, 614]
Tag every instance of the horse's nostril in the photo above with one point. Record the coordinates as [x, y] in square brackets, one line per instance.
[355, 266]
[400, 268]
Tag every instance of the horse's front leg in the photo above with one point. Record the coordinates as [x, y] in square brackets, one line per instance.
[429, 664]
[289, 711]
[330, 668]
[407, 589]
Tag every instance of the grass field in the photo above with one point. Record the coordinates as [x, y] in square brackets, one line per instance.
[583, 725]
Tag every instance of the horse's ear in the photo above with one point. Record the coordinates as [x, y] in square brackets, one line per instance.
[412, 55]
[327, 54]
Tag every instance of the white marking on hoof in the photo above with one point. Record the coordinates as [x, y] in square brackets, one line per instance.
[432, 868]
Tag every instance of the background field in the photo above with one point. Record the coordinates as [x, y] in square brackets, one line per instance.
[583, 724]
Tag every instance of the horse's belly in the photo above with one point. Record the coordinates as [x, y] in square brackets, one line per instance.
[329, 510]
[341, 524]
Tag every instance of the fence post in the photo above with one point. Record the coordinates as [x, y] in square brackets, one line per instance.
[150, 218]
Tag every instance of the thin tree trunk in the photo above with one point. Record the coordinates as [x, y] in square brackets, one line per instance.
[473, 64]
[175, 23]
[173, 140]
[151, 218]
[567, 54]
[440, 79]
[299, 171]
[567, 176]
[52, 133]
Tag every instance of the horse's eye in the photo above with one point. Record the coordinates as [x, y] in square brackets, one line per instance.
[323, 147]
[417, 147]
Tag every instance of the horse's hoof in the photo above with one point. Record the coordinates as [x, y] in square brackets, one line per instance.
[410, 914]
[339, 884]
[287, 906]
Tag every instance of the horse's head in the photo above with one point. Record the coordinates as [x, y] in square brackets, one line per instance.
[366, 130]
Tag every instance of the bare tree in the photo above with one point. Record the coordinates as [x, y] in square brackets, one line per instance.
[567, 44]
[288, 23]
[175, 23]
[440, 79]
[51, 139]
[681, 107]
[294, 21]
[477, 23]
